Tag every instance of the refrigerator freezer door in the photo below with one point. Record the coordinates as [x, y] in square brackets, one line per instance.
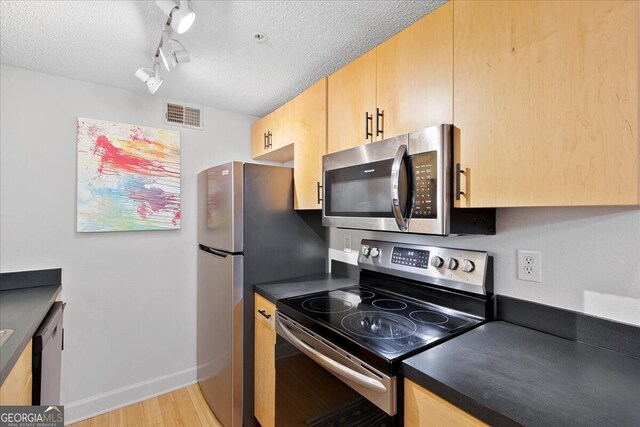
[219, 316]
[220, 210]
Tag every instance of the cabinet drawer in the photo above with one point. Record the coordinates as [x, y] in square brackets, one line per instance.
[265, 311]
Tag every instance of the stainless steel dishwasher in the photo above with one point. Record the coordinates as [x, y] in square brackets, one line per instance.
[48, 343]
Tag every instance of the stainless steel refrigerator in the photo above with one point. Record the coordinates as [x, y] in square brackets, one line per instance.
[248, 233]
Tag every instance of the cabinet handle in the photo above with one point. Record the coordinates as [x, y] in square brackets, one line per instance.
[379, 123]
[268, 144]
[264, 313]
[264, 141]
[459, 173]
[368, 124]
[318, 187]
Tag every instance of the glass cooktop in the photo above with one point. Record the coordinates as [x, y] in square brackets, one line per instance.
[384, 323]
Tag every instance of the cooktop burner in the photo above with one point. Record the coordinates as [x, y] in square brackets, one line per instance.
[362, 293]
[387, 324]
[377, 325]
[389, 304]
[325, 304]
[426, 316]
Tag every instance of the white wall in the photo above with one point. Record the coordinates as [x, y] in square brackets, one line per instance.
[590, 256]
[130, 316]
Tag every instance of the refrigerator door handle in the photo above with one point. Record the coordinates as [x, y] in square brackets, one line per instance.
[213, 251]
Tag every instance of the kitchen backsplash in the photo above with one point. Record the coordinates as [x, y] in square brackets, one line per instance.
[590, 260]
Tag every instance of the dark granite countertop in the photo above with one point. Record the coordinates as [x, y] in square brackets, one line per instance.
[22, 310]
[505, 374]
[302, 286]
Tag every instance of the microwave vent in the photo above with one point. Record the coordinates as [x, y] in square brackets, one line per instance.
[182, 115]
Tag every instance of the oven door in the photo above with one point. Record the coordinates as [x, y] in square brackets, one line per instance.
[318, 384]
[368, 187]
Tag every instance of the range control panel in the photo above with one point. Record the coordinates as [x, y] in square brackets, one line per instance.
[453, 268]
[411, 257]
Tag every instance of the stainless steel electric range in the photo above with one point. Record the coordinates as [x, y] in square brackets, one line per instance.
[338, 353]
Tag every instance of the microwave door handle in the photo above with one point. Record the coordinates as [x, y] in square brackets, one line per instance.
[395, 197]
[331, 364]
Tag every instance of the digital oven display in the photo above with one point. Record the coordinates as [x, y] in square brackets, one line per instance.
[410, 257]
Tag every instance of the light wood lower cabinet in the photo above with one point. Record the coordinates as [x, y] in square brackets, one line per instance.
[264, 365]
[546, 101]
[16, 388]
[423, 409]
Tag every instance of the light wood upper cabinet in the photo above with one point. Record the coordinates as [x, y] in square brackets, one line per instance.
[404, 84]
[264, 369]
[546, 102]
[424, 409]
[414, 75]
[310, 136]
[351, 97]
[272, 135]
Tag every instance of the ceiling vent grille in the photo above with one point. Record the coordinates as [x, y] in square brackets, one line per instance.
[181, 115]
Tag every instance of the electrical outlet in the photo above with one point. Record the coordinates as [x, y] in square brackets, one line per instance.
[347, 243]
[529, 265]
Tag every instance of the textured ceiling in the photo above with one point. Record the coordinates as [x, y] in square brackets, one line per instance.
[106, 41]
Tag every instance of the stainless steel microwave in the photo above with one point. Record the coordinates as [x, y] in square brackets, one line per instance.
[401, 184]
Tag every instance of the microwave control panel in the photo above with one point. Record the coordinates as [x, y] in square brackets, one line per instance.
[425, 172]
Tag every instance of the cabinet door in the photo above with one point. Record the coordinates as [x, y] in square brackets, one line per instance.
[414, 75]
[258, 139]
[264, 369]
[423, 409]
[546, 102]
[279, 127]
[281, 123]
[351, 95]
[17, 386]
[310, 136]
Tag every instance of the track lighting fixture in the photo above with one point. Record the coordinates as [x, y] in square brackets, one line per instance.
[180, 20]
[151, 78]
[171, 57]
[181, 17]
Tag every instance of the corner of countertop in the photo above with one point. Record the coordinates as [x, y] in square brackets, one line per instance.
[30, 278]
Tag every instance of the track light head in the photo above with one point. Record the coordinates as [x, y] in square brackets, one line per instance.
[182, 16]
[181, 56]
[167, 53]
[151, 78]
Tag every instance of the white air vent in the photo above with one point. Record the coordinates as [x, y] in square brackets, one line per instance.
[181, 115]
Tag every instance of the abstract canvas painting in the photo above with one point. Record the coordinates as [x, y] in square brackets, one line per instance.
[128, 177]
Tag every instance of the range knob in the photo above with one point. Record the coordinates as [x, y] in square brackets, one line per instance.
[437, 261]
[451, 263]
[375, 252]
[467, 266]
[365, 250]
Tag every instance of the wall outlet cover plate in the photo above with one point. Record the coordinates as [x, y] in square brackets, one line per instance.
[529, 265]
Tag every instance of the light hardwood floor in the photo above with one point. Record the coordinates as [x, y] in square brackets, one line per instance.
[183, 407]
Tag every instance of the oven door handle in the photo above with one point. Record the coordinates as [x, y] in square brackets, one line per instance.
[331, 364]
[395, 196]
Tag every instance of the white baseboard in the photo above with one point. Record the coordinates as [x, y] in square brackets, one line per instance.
[124, 396]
